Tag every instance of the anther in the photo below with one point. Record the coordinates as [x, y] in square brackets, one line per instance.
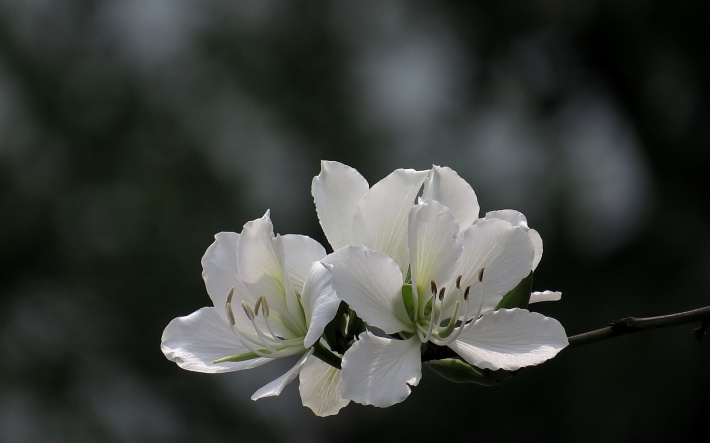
[433, 287]
[264, 307]
[247, 310]
[257, 305]
[465, 292]
[458, 282]
[230, 314]
[441, 293]
[480, 274]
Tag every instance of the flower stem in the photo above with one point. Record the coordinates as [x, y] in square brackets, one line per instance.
[630, 325]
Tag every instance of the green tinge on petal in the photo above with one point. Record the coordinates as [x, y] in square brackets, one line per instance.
[273, 352]
[240, 357]
[519, 296]
[408, 298]
[458, 371]
[428, 307]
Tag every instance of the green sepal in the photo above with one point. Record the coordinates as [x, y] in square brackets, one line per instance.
[325, 355]
[355, 326]
[519, 296]
[333, 331]
[458, 371]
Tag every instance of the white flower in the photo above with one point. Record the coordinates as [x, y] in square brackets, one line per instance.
[352, 213]
[460, 269]
[272, 298]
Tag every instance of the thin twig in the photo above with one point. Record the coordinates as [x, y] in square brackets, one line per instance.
[630, 325]
[615, 329]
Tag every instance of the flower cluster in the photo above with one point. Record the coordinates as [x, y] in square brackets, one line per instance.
[415, 276]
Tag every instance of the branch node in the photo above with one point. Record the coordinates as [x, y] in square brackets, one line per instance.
[700, 331]
[630, 325]
[623, 325]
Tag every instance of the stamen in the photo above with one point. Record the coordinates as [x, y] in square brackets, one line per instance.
[256, 306]
[432, 316]
[465, 292]
[264, 307]
[274, 336]
[430, 329]
[262, 345]
[269, 352]
[474, 317]
[441, 293]
[230, 314]
[480, 304]
[439, 318]
[460, 328]
[259, 347]
[253, 345]
[480, 274]
[445, 332]
[248, 311]
[261, 303]
[264, 339]
[458, 282]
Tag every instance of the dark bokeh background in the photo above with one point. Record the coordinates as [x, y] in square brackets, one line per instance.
[131, 132]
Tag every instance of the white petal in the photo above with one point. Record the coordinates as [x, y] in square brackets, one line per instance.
[434, 246]
[260, 258]
[337, 190]
[300, 252]
[219, 270]
[320, 304]
[518, 219]
[371, 283]
[195, 341]
[320, 388]
[510, 339]
[512, 216]
[505, 254]
[537, 245]
[537, 296]
[259, 261]
[445, 186]
[381, 218]
[275, 387]
[379, 371]
[293, 304]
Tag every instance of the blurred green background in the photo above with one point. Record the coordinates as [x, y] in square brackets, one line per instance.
[131, 132]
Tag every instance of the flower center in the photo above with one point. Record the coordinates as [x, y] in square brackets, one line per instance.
[264, 341]
[441, 320]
